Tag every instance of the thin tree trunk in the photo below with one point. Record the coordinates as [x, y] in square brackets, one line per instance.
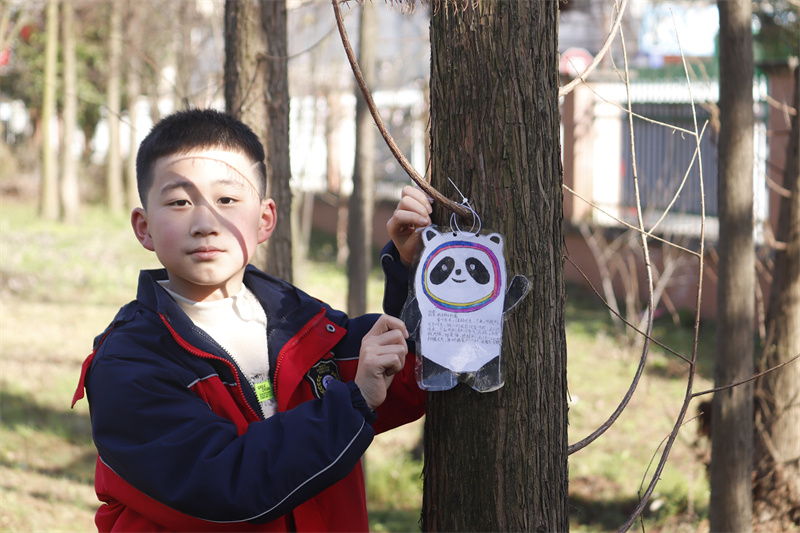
[70, 189]
[732, 411]
[362, 200]
[133, 90]
[49, 191]
[778, 394]
[276, 99]
[498, 461]
[185, 56]
[115, 192]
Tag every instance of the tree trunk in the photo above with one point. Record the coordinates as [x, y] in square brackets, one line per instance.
[362, 200]
[732, 411]
[182, 98]
[257, 92]
[244, 64]
[133, 90]
[498, 461]
[276, 99]
[49, 191]
[70, 188]
[115, 192]
[777, 485]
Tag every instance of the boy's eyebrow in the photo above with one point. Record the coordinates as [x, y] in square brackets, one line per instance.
[187, 184]
[177, 184]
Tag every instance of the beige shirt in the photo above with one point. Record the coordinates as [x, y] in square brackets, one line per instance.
[238, 324]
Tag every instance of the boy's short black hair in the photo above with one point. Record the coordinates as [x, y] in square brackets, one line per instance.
[194, 129]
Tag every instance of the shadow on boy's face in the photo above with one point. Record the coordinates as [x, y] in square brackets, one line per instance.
[222, 188]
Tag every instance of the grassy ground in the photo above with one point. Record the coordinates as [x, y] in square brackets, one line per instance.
[60, 285]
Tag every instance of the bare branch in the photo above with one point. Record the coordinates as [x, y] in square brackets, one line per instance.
[645, 233]
[748, 380]
[404, 163]
[652, 339]
[566, 89]
[690, 381]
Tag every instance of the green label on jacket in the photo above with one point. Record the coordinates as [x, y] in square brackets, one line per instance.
[264, 391]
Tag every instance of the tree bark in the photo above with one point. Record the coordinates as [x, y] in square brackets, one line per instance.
[133, 90]
[114, 185]
[498, 461]
[276, 99]
[70, 187]
[49, 191]
[185, 57]
[257, 92]
[362, 200]
[732, 410]
[777, 484]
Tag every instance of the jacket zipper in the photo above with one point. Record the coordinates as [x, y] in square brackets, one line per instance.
[205, 355]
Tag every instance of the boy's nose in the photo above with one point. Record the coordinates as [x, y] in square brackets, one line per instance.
[205, 221]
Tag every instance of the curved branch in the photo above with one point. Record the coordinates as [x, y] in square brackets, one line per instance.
[566, 89]
[646, 345]
[457, 208]
[748, 380]
[690, 381]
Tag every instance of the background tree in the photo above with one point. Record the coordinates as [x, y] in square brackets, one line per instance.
[70, 186]
[49, 190]
[184, 55]
[732, 409]
[133, 77]
[257, 92]
[777, 400]
[498, 461]
[115, 193]
[362, 199]
[279, 172]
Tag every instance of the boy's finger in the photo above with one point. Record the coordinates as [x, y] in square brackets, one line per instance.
[419, 196]
[388, 323]
[416, 191]
[411, 218]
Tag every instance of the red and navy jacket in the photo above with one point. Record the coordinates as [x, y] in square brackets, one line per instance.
[182, 444]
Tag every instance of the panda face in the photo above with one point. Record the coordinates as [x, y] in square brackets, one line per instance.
[461, 276]
[472, 267]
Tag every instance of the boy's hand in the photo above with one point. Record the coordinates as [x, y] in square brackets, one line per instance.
[412, 212]
[383, 354]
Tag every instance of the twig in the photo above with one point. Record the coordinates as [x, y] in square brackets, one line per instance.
[683, 182]
[566, 89]
[419, 180]
[652, 339]
[690, 381]
[751, 378]
[629, 226]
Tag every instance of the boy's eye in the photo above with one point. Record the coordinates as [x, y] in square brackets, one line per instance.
[227, 200]
[179, 203]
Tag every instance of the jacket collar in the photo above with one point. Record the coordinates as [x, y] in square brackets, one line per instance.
[287, 308]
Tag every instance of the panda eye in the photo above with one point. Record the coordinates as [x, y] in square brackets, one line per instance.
[442, 270]
[477, 271]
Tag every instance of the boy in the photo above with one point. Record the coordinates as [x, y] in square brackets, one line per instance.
[225, 399]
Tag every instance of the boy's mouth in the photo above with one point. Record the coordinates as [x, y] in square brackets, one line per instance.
[205, 252]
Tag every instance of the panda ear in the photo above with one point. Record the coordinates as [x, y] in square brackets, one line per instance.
[429, 234]
[496, 238]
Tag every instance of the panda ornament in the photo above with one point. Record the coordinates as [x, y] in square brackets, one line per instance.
[456, 310]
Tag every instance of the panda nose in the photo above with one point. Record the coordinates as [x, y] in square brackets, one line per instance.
[458, 272]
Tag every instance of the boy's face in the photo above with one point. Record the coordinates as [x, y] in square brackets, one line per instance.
[204, 219]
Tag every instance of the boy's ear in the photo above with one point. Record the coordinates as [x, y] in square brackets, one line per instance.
[269, 217]
[140, 228]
